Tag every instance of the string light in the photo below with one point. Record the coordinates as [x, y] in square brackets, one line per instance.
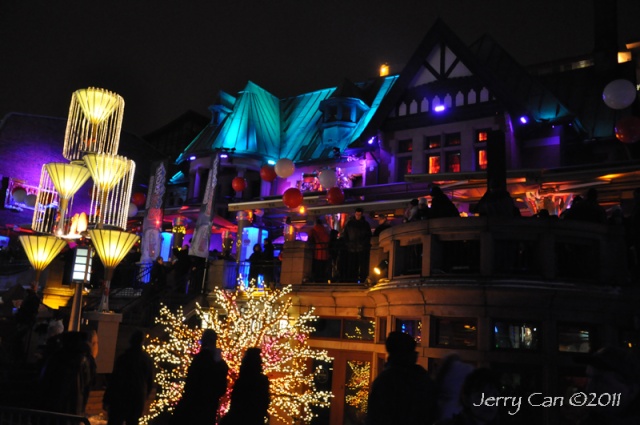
[244, 319]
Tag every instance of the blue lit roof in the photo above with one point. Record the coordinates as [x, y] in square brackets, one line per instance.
[259, 124]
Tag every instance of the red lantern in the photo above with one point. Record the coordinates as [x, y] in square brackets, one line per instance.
[628, 129]
[139, 199]
[292, 197]
[239, 184]
[268, 173]
[335, 196]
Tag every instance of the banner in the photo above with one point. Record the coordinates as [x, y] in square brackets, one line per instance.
[201, 234]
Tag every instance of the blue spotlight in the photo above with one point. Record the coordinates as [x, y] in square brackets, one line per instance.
[524, 119]
[271, 162]
[192, 158]
[439, 108]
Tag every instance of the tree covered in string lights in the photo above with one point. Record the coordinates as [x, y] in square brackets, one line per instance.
[244, 319]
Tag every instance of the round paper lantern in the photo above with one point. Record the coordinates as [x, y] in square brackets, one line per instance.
[19, 194]
[133, 210]
[335, 196]
[268, 173]
[619, 94]
[628, 129]
[284, 168]
[292, 197]
[327, 178]
[30, 200]
[139, 199]
[239, 184]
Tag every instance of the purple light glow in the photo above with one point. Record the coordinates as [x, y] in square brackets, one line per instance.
[224, 155]
[370, 141]
[439, 108]
[192, 158]
[524, 119]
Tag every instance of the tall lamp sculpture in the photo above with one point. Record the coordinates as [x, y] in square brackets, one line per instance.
[111, 246]
[41, 250]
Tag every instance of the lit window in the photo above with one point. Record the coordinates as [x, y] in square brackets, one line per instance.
[482, 159]
[575, 338]
[432, 142]
[453, 162]
[405, 146]
[410, 327]
[454, 332]
[434, 164]
[482, 135]
[515, 335]
[404, 167]
[452, 139]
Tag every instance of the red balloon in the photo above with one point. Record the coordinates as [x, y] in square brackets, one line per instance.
[335, 196]
[239, 184]
[628, 129]
[292, 197]
[139, 199]
[268, 173]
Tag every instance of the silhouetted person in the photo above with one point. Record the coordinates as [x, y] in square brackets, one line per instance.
[478, 386]
[250, 396]
[449, 380]
[357, 237]
[587, 209]
[25, 320]
[614, 370]
[403, 393]
[337, 253]
[206, 382]
[383, 224]
[268, 253]
[130, 384]
[441, 205]
[423, 210]
[182, 268]
[67, 376]
[319, 238]
[411, 212]
[256, 264]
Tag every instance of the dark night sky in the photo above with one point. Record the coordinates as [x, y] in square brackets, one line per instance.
[166, 57]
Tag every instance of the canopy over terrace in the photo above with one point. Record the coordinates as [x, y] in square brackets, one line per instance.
[527, 187]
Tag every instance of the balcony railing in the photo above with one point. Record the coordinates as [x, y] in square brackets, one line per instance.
[539, 249]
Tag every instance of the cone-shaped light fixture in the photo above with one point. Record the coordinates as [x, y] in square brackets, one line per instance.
[106, 170]
[67, 179]
[41, 250]
[94, 123]
[111, 246]
[97, 104]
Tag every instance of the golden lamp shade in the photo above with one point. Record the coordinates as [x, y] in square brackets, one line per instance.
[112, 245]
[97, 104]
[67, 178]
[106, 170]
[41, 250]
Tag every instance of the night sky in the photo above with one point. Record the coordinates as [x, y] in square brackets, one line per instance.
[166, 57]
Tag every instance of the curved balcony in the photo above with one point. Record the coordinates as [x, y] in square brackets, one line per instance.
[543, 250]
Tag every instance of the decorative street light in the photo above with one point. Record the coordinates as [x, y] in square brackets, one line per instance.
[41, 250]
[67, 179]
[111, 246]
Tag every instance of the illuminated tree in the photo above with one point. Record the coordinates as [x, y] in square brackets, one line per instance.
[245, 319]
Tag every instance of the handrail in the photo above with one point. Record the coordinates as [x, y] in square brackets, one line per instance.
[16, 415]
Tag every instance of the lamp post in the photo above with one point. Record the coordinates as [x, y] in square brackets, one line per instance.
[111, 246]
[80, 275]
[41, 250]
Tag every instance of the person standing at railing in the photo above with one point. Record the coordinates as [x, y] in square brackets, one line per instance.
[357, 235]
[256, 264]
[441, 205]
[319, 239]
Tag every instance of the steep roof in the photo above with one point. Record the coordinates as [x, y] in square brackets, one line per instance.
[259, 124]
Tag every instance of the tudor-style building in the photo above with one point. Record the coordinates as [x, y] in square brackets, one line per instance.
[522, 295]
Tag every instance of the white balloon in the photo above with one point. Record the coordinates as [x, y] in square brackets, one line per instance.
[619, 94]
[284, 168]
[328, 178]
[133, 209]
